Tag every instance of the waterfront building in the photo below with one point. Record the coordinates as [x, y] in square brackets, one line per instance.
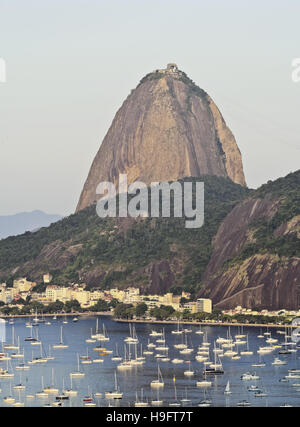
[204, 305]
[23, 285]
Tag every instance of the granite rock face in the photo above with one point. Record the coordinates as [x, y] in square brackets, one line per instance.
[167, 128]
[262, 280]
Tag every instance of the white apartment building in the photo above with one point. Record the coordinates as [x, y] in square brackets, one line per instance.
[23, 285]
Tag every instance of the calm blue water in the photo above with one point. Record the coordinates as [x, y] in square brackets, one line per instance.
[99, 377]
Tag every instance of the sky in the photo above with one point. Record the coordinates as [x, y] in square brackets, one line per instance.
[71, 63]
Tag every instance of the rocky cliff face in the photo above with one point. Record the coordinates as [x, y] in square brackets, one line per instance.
[255, 262]
[166, 129]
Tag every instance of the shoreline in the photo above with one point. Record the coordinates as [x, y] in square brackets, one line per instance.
[150, 321]
[258, 325]
[75, 314]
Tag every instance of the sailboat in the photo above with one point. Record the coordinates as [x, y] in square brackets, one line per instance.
[104, 337]
[240, 334]
[186, 350]
[140, 403]
[247, 352]
[158, 401]
[137, 361]
[199, 331]
[18, 355]
[49, 357]
[260, 335]
[177, 331]
[189, 372]
[204, 382]
[116, 394]
[31, 338]
[18, 403]
[259, 364]
[35, 320]
[61, 343]
[215, 368]
[162, 344]
[185, 398]
[126, 364]
[42, 393]
[205, 402]
[159, 383]
[36, 341]
[63, 395]
[132, 338]
[70, 391]
[51, 389]
[22, 367]
[97, 335]
[12, 346]
[154, 333]
[19, 386]
[86, 359]
[89, 400]
[90, 340]
[227, 388]
[5, 373]
[117, 357]
[175, 402]
[78, 373]
[243, 403]
[9, 399]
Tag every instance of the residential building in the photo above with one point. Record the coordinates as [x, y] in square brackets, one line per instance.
[204, 305]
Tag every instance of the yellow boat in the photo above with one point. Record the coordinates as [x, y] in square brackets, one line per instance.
[99, 349]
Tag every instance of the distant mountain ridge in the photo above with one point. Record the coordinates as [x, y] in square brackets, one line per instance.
[13, 225]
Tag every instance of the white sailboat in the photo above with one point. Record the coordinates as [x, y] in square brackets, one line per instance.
[116, 394]
[19, 386]
[205, 402]
[185, 399]
[177, 331]
[61, 344]
[5, 373]
[12, 346]
[204, 382]
[199, 331]
[158, 401]
[259, 364]
[9, 399]
[42, 394]
[140, 403]
[189, 372]
[175, 402]
[132, 338]
[227, 388]
[116, 357]
[70, 391]
[36, 341]
[90, 340]
[159, 382]
[78, 373]
[51, 389]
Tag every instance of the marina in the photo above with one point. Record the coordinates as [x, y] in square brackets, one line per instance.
[57, 363]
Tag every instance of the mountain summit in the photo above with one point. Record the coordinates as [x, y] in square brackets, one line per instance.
[167, 128]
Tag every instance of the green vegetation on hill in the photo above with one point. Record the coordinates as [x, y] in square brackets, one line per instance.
[125, 254]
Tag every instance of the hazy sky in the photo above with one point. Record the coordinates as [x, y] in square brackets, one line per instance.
[71, 64]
